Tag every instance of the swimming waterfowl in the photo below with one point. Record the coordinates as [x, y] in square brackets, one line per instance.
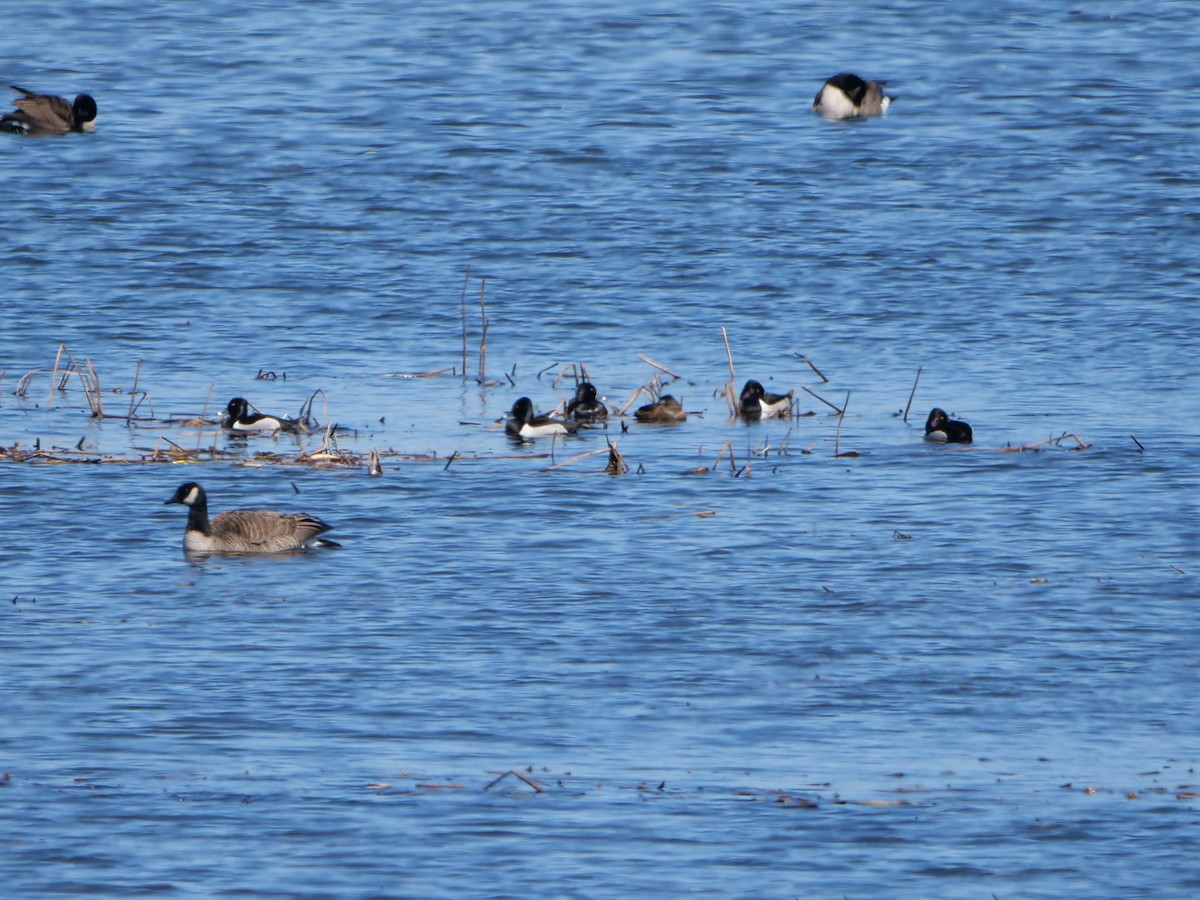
[39, 114]
[586, 407]
[758, 403]
[525, 425]
[941, 429]
[663, 411]
[246, 530]
[846, 96]
[239, 418]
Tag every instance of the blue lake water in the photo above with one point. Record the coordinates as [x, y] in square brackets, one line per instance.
[841, 662]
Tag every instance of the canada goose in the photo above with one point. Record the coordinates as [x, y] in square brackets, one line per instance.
[757, 403]
[525, 425]
[586, 407]
[941, 429]
[39, 114]
[246, 530]
[239, 418]
[846, 96]
[664, 411]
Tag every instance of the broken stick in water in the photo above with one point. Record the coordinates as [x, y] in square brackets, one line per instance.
[663, 368]
[462, 303]
[912, 394]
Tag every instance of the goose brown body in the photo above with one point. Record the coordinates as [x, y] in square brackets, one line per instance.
[246, 530]
[39, 114]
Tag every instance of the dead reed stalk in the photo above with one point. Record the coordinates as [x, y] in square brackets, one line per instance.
[54, 375]
[513, 772]
[462, 302]
[837, 439]
[732, 400]
[820, 374]
[822, 399]
[659, 366]
[912, 394]
[577, 456]
[137, 374]
[483, 321]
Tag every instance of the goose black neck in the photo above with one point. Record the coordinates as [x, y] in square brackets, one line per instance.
[198, 516]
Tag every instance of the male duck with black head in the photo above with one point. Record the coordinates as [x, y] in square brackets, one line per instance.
[756, 402]
[586, 406]
[525, 426]
[238, 417]
[847, 96]
[41, 114]
[941, 429]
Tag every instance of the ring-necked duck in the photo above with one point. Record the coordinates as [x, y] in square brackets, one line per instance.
[246, 530]
[758, 403]
[586, 407]
[239, 418]
[525, 425]
[941, 429]
[664, 411]
[846, 96]
[39, 114]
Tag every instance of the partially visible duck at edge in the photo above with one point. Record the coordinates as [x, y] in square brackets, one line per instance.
[238, 417]
[663, 411]
[757, 402]
[846, 96]
[40, 114]
[524, 425]
[246, 530]
[586, 407]
[941, 429]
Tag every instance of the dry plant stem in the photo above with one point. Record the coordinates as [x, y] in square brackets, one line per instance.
[54, 375]
[90, 382]
[1080, 443]
[820, 374]
[462, 302]
[95, 398]
[726, 447]
[529, 781]
[577, 456]
[634, 398]
[912, 394]
[837, 439]
[27, 379]
[562, 373]
[430, 374]
[137, 373]
[204, 415]
[731, 399]
[484, 326]
[651, 362]
[822, 399]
